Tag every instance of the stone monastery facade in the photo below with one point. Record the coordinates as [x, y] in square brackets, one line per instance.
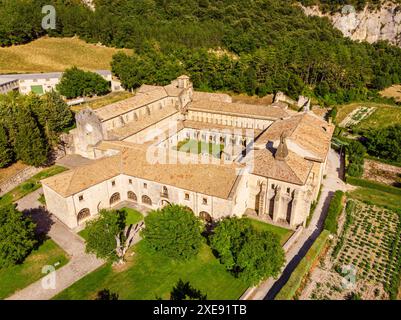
[267, 161]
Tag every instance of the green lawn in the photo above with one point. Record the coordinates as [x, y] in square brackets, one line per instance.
[197, 147]
[29, 185]
[283, 233]
[153, 275]
[377, 197]
[133, 217]
[20, 276]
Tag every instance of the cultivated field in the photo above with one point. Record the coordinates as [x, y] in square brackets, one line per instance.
[363, 261]
[55, 54]
[382, 173]
[382, 116]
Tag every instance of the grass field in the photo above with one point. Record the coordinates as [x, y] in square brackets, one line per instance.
[20, 276]
[55, 54]
[133, 217]
[198, 147]
[385, 115]
[103, 101]
[377, 197]
[29, 185]
[283, 233]
[151, 275]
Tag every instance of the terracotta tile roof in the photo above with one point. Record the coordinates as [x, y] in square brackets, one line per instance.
[220, 127]
[243, 109]
[145, 95]
[294, 169]
[305, 129]
[220, 97]
[136, 126]
[210, 179]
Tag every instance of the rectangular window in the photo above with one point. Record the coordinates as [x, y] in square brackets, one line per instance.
[81, 198]
[145, 185]
[187, 196]
[204, 201]
[113, 183]
[130, 181]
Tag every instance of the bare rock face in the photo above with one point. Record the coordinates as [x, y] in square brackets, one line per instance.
[366, 25]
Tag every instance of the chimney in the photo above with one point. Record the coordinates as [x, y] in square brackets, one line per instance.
[282, 149]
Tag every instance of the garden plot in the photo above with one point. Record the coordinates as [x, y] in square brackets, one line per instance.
[382, 173]
[357, 116]
[369, 244]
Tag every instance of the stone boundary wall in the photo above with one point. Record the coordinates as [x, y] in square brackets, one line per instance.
[17, 179]
[249, 292]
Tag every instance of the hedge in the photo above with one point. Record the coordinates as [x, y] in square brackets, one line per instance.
[288, 291]
[373, 185]
[335, 208]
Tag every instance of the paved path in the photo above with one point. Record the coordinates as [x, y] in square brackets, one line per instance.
[268, 289]
[80, 263]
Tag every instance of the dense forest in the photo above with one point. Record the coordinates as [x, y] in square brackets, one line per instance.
[336, 5]
[257, 47]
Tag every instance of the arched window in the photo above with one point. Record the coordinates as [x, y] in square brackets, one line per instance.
[83, 215]
[205, 217]
[115, 198]
[132, 196]
[165, 191]
[146, 200]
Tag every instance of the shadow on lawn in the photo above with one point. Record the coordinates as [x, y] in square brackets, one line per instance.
[42, 218]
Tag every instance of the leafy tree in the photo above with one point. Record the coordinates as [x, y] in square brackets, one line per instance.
[184, 291]
[174, 231]
[106, 294]
[102, 233]
[249, 254]
[78, 83]
[356, 157]
[54, 115]
[385, 142]
[30, 146]
[6, 151]
[17, 236]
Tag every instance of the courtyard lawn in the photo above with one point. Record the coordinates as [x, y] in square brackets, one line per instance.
[283, 233]
[151, 275]
[133, 217]
[20, 276]
[29, 185]
[198, 147]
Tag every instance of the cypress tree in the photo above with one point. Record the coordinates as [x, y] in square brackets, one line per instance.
[6, 152]
[30, 146]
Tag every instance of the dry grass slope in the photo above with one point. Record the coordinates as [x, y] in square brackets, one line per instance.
[55, 54]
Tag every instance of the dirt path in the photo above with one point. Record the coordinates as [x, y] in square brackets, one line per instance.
[80, 263]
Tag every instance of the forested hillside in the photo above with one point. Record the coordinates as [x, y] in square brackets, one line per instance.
[334, 5]
[270, 44]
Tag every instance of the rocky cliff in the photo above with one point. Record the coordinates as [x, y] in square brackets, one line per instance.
[368, 24]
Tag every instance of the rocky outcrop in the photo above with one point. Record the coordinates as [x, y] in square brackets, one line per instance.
[369, 25]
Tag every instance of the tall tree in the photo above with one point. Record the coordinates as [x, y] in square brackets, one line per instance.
[174, 231]
[30, 145]
[6, 151]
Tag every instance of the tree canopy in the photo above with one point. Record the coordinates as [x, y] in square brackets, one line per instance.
[30, 126]
[78, 83]
[173, 231]
[17, 236]
[255, 47]
[385, 143]
[246, 252]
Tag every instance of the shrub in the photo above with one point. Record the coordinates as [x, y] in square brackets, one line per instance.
[335, 208]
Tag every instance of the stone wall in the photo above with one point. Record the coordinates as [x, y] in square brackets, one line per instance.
[17, 179]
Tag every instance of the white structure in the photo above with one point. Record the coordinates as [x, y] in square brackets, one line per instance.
[270, 161]
[44, 82]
